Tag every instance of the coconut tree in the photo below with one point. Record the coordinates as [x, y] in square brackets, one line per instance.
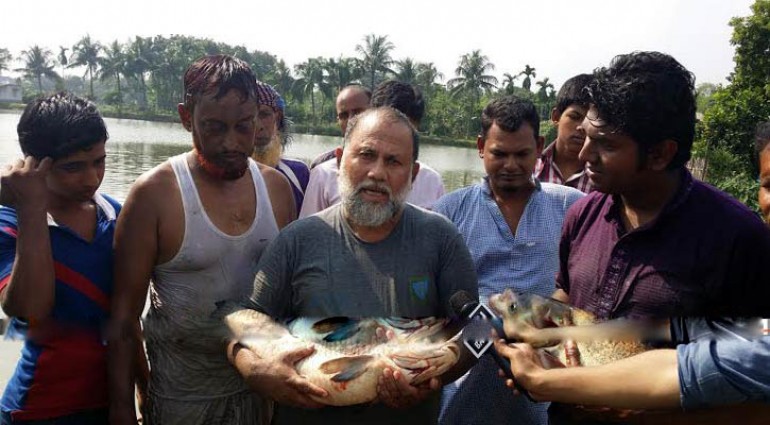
[87, 53]
[375, 56]
[37, 64]
[407, 71]
[427, 75]
[140, 60]
[509, 82]
[114, 63]
[529, 74]
[341, 72]
[473, 76]
[310, 77]
[545, 87]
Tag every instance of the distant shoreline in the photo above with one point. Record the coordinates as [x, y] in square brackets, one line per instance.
[297, 128]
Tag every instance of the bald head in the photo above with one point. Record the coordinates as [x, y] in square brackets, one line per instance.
[351, 101]
[383, 115]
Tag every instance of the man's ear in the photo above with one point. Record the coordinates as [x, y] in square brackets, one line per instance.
[661, 155]
[480, 145]
[185, 116]
[415, 170]
[555, 116]
[338, 154]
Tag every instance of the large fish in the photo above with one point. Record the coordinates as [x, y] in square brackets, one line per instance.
[351, 354]
[547, 324]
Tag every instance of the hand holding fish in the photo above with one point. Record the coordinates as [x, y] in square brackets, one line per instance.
[279, 380]
[395, 391]
[526, 365]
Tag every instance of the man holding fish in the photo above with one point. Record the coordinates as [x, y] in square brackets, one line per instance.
[372, 255]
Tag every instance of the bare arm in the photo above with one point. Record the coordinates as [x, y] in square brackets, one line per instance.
[281, 196]
[136, 249]
[30, 291]
[646, 381]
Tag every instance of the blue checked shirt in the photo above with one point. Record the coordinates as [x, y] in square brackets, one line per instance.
[527, 262]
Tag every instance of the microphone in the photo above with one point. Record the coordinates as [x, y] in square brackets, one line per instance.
[467, 309]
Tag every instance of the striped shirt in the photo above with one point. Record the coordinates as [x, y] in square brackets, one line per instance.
[526, 261]
[63, 367]
[547, 171]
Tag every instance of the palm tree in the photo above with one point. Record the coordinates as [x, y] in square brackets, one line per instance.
[427, 74]
[341, 72]
[509, 82]
[86, 53]
[528, 74]
[407, 71]
[311, 77]
[281, 78]
[114, 64]
[375, 55]
[472, 76]
[37, 64]
[140, 59]
[543, 91]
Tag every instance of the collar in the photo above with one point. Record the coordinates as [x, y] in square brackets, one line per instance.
[680, 197]
[104, 209]
[487, 190]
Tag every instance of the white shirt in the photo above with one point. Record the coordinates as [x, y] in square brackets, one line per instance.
[322, 191]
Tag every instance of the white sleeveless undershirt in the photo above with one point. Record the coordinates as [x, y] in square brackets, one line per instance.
[184, 342]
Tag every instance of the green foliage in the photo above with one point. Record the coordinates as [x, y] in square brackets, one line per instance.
[726, 134]
[5, 59]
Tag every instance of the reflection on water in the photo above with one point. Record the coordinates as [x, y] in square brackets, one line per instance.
[136, 146]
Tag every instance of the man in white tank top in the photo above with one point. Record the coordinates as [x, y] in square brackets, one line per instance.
[196, 225]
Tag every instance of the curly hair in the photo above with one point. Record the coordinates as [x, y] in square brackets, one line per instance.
[650, 97]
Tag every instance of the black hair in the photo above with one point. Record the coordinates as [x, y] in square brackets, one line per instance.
[650, 97]
[361, 87]
[218, 74]
[762, 137]
[59, 125]
[402, 96]
[510, 113]
[572, 92]
[389, 114]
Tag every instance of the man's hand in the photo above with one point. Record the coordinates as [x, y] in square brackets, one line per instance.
[393, 390]
[279, 380]
[23, 184]
[526, 365]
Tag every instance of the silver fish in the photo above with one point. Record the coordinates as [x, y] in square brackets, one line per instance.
[351, 354]
[547, 324]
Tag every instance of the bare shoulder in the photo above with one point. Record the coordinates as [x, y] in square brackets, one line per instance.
[272, 176]
[154, 184]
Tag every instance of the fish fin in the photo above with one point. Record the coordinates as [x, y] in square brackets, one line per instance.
[341, 331]
[346, 368]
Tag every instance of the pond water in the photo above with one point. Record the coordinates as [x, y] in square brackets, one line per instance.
[136, 146]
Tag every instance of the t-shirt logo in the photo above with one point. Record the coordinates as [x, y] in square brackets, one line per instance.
[418, 287]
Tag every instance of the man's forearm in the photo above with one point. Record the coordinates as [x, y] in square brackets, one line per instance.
[647, 381]
[123, 356]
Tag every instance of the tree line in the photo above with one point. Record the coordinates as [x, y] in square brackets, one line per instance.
[144, 75]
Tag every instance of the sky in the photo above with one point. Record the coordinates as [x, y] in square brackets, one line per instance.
[559, 38]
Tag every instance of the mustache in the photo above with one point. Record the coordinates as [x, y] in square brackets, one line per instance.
[369, 184]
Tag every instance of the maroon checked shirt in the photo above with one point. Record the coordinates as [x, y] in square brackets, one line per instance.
[705, 254]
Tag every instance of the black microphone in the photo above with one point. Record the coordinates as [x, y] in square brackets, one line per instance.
[464, 306]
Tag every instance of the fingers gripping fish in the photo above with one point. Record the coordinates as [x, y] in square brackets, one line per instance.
[350, 354]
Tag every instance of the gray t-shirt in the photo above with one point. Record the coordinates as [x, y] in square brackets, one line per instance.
[317, 267]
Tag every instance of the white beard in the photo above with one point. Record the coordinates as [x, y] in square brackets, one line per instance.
[365, 213]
